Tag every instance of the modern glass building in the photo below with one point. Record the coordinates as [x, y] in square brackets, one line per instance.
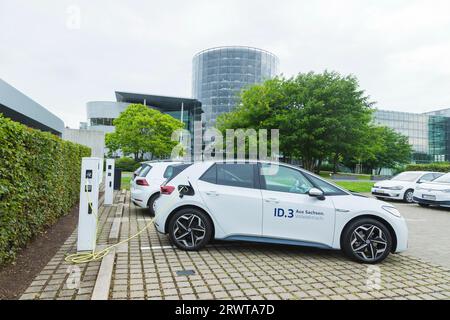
[101, 114]
[428, 133]
[219, 74]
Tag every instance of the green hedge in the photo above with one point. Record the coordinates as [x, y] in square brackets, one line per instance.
[127, 164]
[39, 182]
[435, 166]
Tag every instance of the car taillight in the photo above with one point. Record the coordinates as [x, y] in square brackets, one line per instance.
[167, 189]
[141, 182]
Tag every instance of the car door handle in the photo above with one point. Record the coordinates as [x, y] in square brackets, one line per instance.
[274, 200]
[212, 193]
[342, 210]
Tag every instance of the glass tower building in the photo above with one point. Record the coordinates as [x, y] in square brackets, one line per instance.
[219, 74]
[428, 133]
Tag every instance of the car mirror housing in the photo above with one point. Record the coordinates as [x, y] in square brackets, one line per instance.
[315, 192]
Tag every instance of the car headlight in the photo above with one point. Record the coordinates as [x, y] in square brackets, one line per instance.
[395, 188]
[392, 211]
[375, 185]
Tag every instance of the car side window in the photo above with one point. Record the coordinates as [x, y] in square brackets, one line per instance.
[437, 175]
[327, 188]
[236, 175]
[427, 177]
[210, 175]
[284, 180]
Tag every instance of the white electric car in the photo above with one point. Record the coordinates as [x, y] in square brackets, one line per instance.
[402, 186]
[267, 202]
[146, 183]
[434, 193]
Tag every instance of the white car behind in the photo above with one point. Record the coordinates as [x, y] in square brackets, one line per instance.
[402, 186]
[434, 193]
[243, 202]
[145, 186]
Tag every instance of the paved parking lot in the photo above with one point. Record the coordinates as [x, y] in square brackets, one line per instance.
[149, 268]
[429, 232]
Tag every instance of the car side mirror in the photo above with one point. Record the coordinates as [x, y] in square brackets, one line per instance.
[317, 193]
[420, 181]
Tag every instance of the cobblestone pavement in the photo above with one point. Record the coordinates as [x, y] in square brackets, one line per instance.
[148, 268]
[429, 232]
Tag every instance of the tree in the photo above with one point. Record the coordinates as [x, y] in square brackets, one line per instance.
[320, 116]
[393, 149]
[140, 129]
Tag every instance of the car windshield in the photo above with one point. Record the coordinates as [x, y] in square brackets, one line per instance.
[407, 176]
[443, 179]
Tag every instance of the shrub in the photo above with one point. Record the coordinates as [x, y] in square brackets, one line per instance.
[127, 164]
[435, 166]
[39, 182]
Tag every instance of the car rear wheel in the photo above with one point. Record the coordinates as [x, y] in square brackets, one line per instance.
[408, 197]
[367, 240]
[151, 204]
[190, 229]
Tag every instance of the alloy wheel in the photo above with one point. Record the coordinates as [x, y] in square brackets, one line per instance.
[189, 230]
[368, 242]
[409, 196]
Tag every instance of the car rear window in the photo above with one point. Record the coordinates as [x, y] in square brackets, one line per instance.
[138, 170]
[144, 171]
[173, 170]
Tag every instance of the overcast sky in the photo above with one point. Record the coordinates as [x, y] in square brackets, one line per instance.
[399, 50]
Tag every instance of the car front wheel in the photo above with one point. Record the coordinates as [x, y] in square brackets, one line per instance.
[408, 197]
[367, 240]
[190, 229]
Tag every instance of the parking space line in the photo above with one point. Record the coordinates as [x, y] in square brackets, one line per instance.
[157, 247]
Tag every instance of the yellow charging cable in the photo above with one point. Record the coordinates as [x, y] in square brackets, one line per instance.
[85, 257]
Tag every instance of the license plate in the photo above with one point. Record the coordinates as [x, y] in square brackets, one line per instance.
[428, 197]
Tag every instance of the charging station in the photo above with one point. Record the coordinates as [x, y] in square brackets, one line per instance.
[89, 190]
[109, 182]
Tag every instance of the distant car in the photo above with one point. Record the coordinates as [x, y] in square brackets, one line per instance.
[248, 201]
[402, 186]
[146, 183]
[434, 193]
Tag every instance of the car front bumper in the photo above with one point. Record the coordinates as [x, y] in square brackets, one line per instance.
[426, 198]
[401, 232]
[386, 193]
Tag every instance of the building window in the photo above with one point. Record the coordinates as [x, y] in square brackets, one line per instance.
[101, 121]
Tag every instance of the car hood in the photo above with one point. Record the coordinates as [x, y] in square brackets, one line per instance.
[357, 203]
[434, 186]
[392, 183]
